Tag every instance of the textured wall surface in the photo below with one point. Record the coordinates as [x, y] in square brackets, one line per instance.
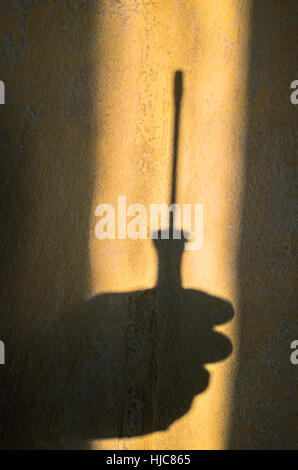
[265, 400]
[127, 344]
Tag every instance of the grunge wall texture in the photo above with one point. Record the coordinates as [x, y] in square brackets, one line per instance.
[88, 117]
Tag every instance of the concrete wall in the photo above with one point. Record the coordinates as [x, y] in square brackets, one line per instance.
[107, 346]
